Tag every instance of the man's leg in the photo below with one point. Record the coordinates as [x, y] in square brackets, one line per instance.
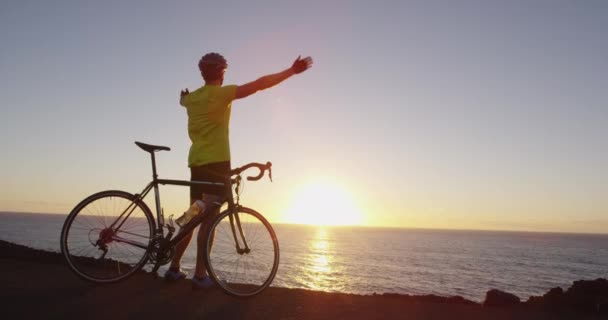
[181, 246]
[212, 207]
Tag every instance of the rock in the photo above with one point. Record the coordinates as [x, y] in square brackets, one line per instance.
[497, 298]
[553, 299]
[587, 295]
[430, 298]
[459, 300]
[597, 287]
[554, 293]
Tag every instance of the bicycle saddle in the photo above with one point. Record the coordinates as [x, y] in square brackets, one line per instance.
[151, 148]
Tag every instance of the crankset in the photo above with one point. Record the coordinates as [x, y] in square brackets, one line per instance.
[160, 252]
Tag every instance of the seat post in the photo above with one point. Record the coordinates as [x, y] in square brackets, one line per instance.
[159, 214]
[154, 175]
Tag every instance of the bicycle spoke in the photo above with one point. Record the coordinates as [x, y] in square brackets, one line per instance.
[87, 233]
[246, 273]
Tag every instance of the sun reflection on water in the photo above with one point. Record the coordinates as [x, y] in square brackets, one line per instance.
[320, 266]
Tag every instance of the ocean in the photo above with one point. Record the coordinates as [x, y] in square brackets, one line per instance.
[407, 261]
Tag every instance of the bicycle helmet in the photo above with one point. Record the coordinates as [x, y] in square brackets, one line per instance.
[212, 65]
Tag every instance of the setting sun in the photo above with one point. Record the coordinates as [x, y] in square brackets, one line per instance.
[323, 202]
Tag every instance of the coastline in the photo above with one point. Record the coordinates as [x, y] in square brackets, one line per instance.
[37, 283]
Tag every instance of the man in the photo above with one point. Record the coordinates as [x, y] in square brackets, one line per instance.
[209, 159]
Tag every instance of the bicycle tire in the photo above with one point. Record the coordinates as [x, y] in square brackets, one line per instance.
[89, 222]
[245, 274]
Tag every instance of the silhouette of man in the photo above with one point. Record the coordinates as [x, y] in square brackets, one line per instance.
[209, 110]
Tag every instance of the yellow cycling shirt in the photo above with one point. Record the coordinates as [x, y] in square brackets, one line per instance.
[208, 119]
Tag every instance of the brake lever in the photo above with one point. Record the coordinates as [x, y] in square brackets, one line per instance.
[269, 164]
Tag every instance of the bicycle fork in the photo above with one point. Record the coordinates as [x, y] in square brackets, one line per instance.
[234, 219]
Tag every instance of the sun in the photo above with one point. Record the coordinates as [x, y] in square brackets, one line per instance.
[323, 202]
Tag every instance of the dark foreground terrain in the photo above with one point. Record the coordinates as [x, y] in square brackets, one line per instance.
[38, 284]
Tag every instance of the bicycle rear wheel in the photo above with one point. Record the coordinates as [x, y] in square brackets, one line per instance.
[248, 272]
[106, 236]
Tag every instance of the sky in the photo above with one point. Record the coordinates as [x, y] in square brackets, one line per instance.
[433, 114]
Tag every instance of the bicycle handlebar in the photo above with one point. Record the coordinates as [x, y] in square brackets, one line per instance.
[261, 167]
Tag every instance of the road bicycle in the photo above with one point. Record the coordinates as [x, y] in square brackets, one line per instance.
[111, 235]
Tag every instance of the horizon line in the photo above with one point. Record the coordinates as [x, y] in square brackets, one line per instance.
[385, 227]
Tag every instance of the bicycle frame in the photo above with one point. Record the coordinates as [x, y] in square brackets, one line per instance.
[235, 223]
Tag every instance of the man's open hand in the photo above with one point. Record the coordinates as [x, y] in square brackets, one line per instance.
[300, 65]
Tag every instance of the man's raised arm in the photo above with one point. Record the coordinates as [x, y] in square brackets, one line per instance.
[271, 80]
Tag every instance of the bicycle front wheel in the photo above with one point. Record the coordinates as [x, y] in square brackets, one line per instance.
[106, 236]
[242, 263]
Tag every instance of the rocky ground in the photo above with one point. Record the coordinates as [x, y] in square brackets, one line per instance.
[38, 284]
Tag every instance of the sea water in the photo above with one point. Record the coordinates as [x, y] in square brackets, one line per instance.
[407, 261]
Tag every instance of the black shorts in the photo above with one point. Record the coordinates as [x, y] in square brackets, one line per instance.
[214, 172]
